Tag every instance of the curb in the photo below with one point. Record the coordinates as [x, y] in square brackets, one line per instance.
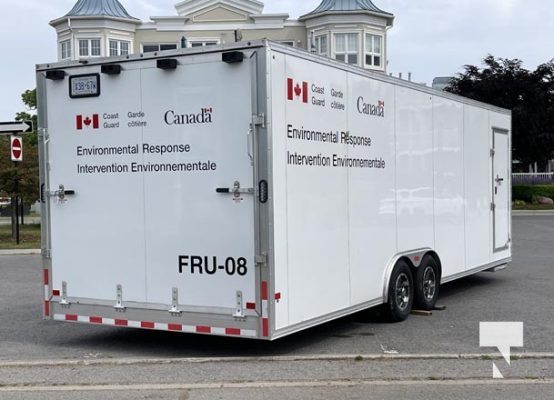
[20, 252]
[285, 359]
[527, 213]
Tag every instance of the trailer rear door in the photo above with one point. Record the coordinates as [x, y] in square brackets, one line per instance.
[161, 170]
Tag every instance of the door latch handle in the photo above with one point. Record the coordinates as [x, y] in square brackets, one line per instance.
[61, 193]
[236, 189]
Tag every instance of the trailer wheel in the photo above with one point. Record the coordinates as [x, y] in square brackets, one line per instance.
[401, 292]
[427, 284]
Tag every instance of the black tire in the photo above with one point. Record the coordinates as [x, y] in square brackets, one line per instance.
[427, 282]
[401, 293]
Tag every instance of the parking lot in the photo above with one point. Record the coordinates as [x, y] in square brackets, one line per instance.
[360, 349]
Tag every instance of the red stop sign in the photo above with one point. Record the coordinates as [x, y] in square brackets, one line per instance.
[17, 149]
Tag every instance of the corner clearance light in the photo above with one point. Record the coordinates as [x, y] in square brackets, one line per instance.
[167, 64]
[111, 69]
[55, 75]
[232, 57]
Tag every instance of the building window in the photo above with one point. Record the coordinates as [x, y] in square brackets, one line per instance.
[346, 47]
[89, 48]
[119, 48]
[287, 42]
[147, 48]
[200, 43]
[322, 45]
[373, 50]
[65, 49]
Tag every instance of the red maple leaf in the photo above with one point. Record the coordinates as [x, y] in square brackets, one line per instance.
[298, 90]
[87, 121]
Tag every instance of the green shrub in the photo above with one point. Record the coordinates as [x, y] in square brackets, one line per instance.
[530, 193]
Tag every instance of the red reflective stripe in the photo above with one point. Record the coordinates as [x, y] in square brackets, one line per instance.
[175, 327]
[232, 331]
[121, 322]
[250, 306]
[46, 308]
[45, 276]
[70, 317]
[265, 327]
[95, 320]
[55, 292]
[149, 325]
[203, 329]
[264, 291]
[278, 296]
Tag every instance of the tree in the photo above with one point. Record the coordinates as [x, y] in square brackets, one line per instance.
[530, 96]
[27, 171]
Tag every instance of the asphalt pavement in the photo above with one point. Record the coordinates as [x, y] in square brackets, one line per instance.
[360, 356]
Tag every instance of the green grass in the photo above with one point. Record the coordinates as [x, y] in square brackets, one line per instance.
[532, 207]
[29, 237]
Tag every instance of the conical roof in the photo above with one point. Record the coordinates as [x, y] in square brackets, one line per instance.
[104, 8]
[345, 6]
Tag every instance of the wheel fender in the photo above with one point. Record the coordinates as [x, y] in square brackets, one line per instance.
[414, 258]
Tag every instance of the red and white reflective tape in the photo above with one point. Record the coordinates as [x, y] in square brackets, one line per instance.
[46, 279]
[207, 330]
[265, 309]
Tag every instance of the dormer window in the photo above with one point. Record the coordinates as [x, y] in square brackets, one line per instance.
[65, 49]
[89, 48]
[322, 45]
[373, 50]
[346, 47]
[119, 47]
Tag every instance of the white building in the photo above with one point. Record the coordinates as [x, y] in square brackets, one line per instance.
[353, 31]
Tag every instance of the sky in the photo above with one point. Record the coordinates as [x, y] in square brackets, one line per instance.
[429, 38]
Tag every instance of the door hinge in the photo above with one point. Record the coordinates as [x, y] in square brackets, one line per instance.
[493, 206]
[42, 134]
[261, 260]
[493, 152]
[258, 120]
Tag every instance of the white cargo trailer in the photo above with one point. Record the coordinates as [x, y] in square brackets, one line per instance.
[255, 190]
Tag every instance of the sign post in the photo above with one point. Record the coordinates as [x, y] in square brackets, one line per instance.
[15, 128]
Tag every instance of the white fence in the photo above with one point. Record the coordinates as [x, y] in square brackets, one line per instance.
[539, 178]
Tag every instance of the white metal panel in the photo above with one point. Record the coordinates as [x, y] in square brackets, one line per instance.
[414, 169]
[448, 127]
[477, 166]
[97, 234]
[372, 208]
[199, 241]
[277, 124]
[317, 201]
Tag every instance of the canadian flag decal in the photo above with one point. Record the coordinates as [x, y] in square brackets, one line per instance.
[295, 90]
[84, 121]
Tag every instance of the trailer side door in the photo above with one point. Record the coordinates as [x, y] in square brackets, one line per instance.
[501, 195]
